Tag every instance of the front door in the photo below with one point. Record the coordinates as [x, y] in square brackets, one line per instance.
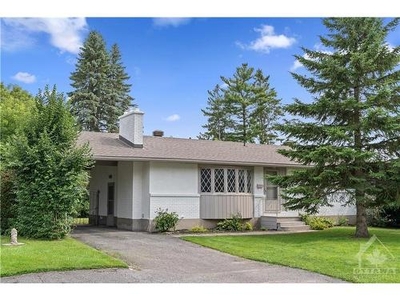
[271, 193]
[110, 203]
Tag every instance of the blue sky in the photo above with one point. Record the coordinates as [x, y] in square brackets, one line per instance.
[172, 62]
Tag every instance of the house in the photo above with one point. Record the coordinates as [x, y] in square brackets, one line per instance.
[202, 181]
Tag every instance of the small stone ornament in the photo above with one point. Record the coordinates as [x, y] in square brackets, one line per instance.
[14, 240]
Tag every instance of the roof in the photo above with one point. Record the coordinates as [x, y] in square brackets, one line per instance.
[108, 146]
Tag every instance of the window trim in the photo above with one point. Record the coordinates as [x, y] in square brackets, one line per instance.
[225, 168]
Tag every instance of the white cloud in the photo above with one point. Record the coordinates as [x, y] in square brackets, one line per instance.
[66, 34]
[268, 40]
[296, 64]
[173, 118]
[24, 77]
[174, 22]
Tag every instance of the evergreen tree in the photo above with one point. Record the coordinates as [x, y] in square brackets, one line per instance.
[246, 110]
[218, 119]
[90, 81]
[240, 103]
[267, 110]
[119, 100]
[50, 170]
[101, 93]
[349, 136]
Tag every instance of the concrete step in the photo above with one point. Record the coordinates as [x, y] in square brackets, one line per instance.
[290, 224]
[294, 228]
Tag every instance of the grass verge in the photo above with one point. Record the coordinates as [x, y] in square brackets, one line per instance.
[59, 255]
[334, 252]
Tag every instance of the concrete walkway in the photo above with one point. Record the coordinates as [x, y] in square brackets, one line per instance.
[157, 258]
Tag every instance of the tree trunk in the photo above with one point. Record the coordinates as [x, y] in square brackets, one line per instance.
[361, 221]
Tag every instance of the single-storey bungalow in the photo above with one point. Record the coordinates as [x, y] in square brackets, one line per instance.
[202, 181]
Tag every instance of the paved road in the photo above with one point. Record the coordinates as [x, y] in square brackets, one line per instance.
[155, 258]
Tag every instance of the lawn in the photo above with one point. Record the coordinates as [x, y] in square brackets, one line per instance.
[331, 252]
[40, 256]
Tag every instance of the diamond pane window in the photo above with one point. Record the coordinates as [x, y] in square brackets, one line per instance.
[219, 182]
[249, 187]
[205, 180]
[231, 181]
[242, 181]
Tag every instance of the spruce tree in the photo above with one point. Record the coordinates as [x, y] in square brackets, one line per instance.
[118, 100]
[101, 91]
[90, 83]
[349, 135]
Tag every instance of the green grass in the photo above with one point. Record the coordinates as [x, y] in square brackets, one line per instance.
[331, 252]
[40, 256]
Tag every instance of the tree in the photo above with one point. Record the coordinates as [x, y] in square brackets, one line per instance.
[100, 93]
[50, 170]
[267, 111]
[349, 136]
[16, 105]
[245, 110]
[90, 83]
[218, 119]
[119, 99]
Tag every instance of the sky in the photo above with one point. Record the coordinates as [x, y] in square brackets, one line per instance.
[172, 61]
[174, 53]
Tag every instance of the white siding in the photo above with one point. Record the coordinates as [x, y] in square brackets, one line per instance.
[174, 186]
[125, 189]
[185, 206]
[173, 178]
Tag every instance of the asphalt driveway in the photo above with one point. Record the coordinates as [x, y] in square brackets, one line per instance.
[157, 258]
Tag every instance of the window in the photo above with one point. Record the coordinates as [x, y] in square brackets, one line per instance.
[271, 190]
[225, 180]
[205, 175]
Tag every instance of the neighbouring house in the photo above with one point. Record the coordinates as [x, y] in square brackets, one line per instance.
[202, 181]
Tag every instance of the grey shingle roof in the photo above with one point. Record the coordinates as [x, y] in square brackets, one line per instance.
[107, 146]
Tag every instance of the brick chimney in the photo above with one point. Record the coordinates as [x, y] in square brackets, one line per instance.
[131, 128]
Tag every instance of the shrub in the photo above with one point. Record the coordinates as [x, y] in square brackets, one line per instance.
[232, 224]
[198, 229]
[342, 221]
[319, 223]
[8, 202]
[51, 171]
[315, 222]
[387, 216]
[166, 220]
[247, 226]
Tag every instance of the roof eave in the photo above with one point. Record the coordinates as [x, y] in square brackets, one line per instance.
[197, 161]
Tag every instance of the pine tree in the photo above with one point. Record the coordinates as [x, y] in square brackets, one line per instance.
[349, 136]
[267, 111]
[119, 99]
[239, 98]
[218, 120]
[90, 81]
[246, 110]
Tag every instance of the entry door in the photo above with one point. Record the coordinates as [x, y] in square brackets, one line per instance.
[110, 203]
[271, 193]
